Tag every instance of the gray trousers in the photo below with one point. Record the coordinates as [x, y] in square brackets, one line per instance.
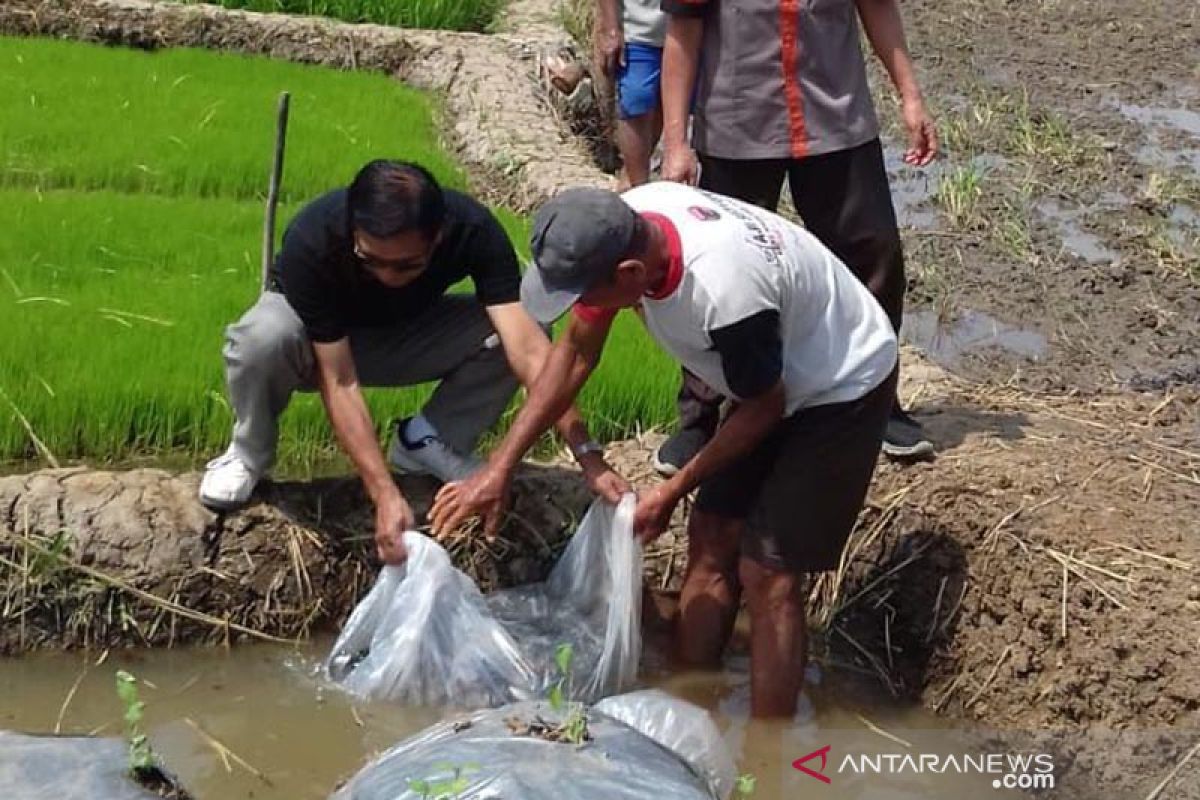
[268, 356]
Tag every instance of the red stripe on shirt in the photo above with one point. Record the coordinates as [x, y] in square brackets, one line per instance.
[674, 262]
[674, 277]
[789, 30]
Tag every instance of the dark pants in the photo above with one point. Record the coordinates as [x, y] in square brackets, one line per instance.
[844, 200]
[800, 490]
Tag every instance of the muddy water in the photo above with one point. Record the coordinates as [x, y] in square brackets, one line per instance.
[947, 342]
[262, 703]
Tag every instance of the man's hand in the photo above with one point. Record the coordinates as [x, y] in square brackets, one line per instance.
[922, 133]
[608, 50]
[653, 512]
[393, 517]
[603, 480]
[680, 165]
[483, 494]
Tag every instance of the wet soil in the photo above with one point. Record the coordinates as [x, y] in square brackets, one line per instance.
[1041, 576]
[1083, 225]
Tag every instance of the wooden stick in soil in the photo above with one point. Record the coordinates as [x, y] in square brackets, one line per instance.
[268, 245]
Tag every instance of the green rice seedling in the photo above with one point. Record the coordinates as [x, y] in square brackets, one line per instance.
[191, 122]
[958, 194]
[1164, 190]
[577, 18]
[141, 758]
[563, 655]
[1042, 133]
[449, 782]
[574, 727]
[970, 131]
[745, 785]
[1174, 252]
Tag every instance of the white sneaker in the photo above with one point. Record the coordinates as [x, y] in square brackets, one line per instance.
[430, 456]
[227, 482]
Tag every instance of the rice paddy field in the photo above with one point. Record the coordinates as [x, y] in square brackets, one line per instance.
[133, 188]
[453, 15]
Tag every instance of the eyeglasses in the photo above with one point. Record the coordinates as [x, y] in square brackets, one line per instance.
[401, 267]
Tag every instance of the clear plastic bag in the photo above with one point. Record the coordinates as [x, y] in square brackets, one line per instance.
[481, 758]
[426, 635]
[684, 729]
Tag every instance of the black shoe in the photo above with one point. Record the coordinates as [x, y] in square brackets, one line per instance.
[904, 439]
[673, 454]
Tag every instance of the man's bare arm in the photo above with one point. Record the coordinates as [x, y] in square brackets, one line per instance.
[571, 360]
[681, 59]
[337, 380]
[527, 348]
[885, 30]
[485, 494]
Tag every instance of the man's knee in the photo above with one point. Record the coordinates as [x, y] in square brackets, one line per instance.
[876, 257]
[269, 331]
[769, 588]
[714, 543]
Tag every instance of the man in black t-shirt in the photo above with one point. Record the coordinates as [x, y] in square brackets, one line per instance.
[358, 297]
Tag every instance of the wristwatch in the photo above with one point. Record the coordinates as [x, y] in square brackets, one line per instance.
[590, 446]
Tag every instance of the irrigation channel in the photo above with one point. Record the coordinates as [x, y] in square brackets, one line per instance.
[298, 738]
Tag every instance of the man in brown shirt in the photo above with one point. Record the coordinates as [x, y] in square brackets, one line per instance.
[781, 90]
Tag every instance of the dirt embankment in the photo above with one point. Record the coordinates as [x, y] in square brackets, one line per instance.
[100, 559]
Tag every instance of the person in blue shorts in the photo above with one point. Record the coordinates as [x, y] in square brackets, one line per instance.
[628, 44]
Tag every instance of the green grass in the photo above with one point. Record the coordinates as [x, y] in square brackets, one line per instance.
[453, 15]
[197, 123]
[116, 282]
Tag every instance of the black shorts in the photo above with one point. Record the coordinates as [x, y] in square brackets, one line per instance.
[800, 491]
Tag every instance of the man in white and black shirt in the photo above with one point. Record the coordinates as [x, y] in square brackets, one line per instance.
[761, 310]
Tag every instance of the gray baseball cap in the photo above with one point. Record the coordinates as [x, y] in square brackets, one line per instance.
[578, 238]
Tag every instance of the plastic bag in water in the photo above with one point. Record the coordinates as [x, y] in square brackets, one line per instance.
[426, 635]
[66, 768]
[481, 758]
[685, 729]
